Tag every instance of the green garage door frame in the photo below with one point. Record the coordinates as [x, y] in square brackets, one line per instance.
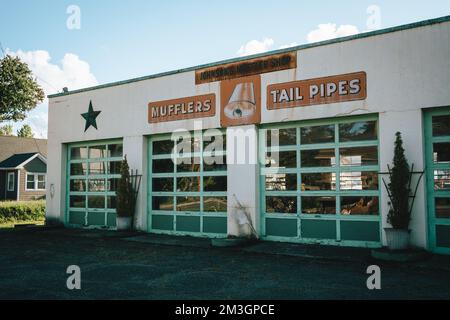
[192, 223]
[438, 228]
[337, 229]
[85, 216]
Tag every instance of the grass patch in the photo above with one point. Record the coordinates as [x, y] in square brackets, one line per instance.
[13, 212]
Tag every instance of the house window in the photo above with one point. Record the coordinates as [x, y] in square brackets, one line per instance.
[11, 182]
[35, 181]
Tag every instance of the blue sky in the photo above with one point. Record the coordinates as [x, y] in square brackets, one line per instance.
[118, 39]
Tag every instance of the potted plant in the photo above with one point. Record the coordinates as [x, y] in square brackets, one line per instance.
[399, 189]
[125, 198]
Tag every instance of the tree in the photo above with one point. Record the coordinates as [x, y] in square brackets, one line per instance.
[19, 91]
[125, 193]
[6, 130]
[25, 132]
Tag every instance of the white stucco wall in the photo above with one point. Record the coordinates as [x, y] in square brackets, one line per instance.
[407, 71]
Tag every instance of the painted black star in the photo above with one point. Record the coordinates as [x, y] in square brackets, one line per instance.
[90, 117]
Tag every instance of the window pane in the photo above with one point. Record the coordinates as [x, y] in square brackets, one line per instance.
[317, 134]
[96, 185]
[215, 143]
[441, 152]
[78, 185]
[163, 166]
[163, 147]
[162, 203]
[359, 205]
[114, 167]
[215, 163]
[77, 201]
[188, 203]
[281, 182]
[190, 145]
[318, 158]
[188, 184]
[284, 159]
[318, 181]
[97, 152]
[442, 207]
[188, 164]
[360, 156]
[78, 153]
[113, 183]
[441, 179]
[97, 168]
[111, 202]
[30, 181]
[441, 125]
[215, 204]
[359, 181]
[162, 184]
[319, 205]
[115, 150]
[281, 204]
[96, 202]
[215, 183]
[281, 137]
[358, 131]
[41, 185]
[78, 169]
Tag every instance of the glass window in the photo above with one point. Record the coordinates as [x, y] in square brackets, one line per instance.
[78, 169]
[318, 181]
[162, 184]
[215, 204]
[162, 203]
[216, 183]
[163, 166]
[11, 182]
[281, 137]
[441, 125]
[97, 168]
[441, 179]
[281, 204]
[96, 185]
[359, 156]
[97, 152]
[41, 182]
[163, 147]
[113, 183]
[442, 207]
[77, 201]
[111, 202]
[115, 150]
[441, 152]
[358, 131]
[319, 205]
[78, 153]
[284, 159]
[359, 205]
[215, 143]
[96, 202]
[281, 182]
[318, 158]
[188, 184]
[188, 164]
[114, 167]
[77, 185]
[215, 163]
[359, 180]
[317, 134]
[30, 181]
[187, 145]
[188, 203]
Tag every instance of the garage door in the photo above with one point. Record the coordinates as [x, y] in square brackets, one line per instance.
[93, 172]
[188, 184]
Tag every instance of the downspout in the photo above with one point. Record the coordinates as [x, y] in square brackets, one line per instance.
[18, 184]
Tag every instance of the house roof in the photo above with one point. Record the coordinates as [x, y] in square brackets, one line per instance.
[10, 145]
[18, 160]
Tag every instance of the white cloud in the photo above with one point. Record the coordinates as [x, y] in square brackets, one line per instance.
[285, 46]
[255, 47]
[71, 72]
[328, 31]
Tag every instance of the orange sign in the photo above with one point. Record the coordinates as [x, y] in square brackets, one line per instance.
[246, 68]
[340, 88]
[240, 101]
[184, 108]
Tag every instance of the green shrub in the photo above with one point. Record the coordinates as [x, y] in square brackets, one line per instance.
[12, 211]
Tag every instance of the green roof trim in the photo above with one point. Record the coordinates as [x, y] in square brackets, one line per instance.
[290, 49]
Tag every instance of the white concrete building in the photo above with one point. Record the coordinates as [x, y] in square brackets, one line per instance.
[334, 106]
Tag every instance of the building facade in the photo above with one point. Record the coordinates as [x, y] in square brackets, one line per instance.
[306, 135]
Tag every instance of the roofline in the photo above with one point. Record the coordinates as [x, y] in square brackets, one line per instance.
[16, 137]
[20, 166]
[290, 49]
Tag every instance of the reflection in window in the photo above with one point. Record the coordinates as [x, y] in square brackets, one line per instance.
[284, 159]
[78, 153]
[359, 181]
[111, 202]
[281, 204]
[162, 184]
[317, 134]
[188, 204]
[281, 182]
[97, 152]
[115, 150]
[162, 203]
[188, 184]
[359, 156]
[113, 183]
[97, 168]
[78, 169]
[188, 164]
[359, 205]
[318, 158]
[215, 143]
[187, 145]
[114, 167]
[441, 179]
[216, 183]
[442, 207]
[77, 201]
[77, 185]
[358, 131]
[96, 185]
[441, 152]
[214, 163]
[215, 204]
[281, 137]
[96, 202]
[318, 181]
[441, 125]
[162, 147]
[162, 166]
[319, 205]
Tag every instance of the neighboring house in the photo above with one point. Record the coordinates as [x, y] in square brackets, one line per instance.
[23, 168]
